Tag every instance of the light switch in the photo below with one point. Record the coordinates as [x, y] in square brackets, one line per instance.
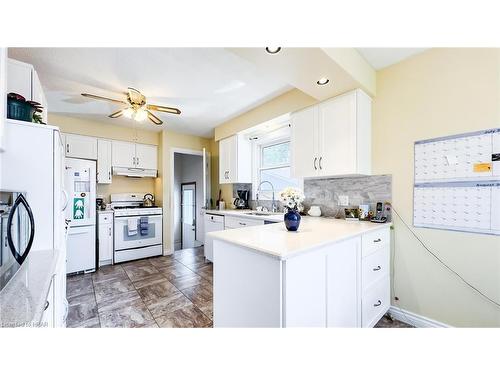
[343, 200]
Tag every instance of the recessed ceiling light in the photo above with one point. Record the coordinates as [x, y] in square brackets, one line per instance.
[323, 81]
[273, 50]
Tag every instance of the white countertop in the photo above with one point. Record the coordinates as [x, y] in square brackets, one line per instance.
[276, 241]
[276, 217]
[22, 301]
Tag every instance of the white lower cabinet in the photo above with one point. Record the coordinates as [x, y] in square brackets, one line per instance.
[105, 238]
[213, 223]
[232, 222]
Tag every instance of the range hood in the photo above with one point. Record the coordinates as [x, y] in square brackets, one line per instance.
[135, 172]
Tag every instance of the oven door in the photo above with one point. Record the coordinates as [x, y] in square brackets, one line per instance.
[138, 235]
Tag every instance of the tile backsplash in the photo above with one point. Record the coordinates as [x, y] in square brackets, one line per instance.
[360, 190]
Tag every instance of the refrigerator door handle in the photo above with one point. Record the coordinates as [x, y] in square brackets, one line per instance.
[66, 199]
[20, 258]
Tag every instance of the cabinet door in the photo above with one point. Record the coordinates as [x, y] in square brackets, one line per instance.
[19, 78]
[105, 243]
[81, 249]
[304, 143]
[224, 158]
[343, 284]
[123, 154]
[81, 146]
[146, 156]
[104, 161]
[337, 140]
[39, 95]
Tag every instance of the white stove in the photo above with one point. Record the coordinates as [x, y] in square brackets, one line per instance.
[138, 229]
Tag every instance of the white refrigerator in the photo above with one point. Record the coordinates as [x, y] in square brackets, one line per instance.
[80, 183]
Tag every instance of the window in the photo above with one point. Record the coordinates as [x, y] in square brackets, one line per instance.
[273, 164]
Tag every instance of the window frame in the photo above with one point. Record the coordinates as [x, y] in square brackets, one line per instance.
[282, 135]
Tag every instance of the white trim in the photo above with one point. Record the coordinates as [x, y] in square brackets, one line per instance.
[415, 320]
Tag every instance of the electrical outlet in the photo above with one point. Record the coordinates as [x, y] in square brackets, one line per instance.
[343, 200]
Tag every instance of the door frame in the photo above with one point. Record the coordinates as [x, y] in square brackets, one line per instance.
[195, 212]
[167, 250]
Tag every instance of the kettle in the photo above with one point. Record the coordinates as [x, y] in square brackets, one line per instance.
[148, 200]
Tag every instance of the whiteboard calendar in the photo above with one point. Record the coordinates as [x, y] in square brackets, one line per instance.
[457, 182]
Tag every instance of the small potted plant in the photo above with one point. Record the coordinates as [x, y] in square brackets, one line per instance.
[292, 199]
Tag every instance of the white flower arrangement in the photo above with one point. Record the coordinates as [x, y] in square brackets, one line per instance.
[291, 198]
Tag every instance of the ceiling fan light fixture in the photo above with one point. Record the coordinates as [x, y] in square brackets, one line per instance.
[128, 112]
[140, 115]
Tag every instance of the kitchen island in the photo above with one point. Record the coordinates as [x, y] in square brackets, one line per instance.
[331, 273]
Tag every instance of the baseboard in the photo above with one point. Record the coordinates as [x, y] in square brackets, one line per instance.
[415, 320]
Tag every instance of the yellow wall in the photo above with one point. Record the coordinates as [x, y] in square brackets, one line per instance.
[170, 141]
[120, 184]
[439, 92]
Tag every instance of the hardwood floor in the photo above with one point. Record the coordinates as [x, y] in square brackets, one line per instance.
[171, 291]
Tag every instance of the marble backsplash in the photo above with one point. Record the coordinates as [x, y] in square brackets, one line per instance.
[325, 193]
[360, 190]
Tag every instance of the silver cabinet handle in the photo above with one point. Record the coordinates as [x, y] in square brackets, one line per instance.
[109, 231]
[242, 223]
[378, 268]
[320, 158]
[67, 148]
[109, 174]
[46, 305]
[379, 302]
[377, 240]
[315, 167]
[137, 160]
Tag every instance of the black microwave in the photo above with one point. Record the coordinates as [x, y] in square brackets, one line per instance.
[17, 231]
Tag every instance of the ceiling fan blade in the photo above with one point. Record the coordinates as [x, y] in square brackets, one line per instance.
[153, 118]
[116, 114]
[92, 96]
[136, 97]
[161, 108]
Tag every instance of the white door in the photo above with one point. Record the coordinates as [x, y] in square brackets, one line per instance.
[81, 249]
[305, 159]
[19, 78]
[188, 215]
[81, 146]
[123, 154]
[337, 144]
[104, 161]
[146, 156]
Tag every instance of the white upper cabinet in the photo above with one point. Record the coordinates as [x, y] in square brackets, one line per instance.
[104, 175]
[123, 154]
[134, 155]
[38, 95]
[333, 138]
[235, 160]
[146, 156]
[81, 146]
[19, 78]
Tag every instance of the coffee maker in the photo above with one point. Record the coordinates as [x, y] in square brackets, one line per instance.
[242, 201]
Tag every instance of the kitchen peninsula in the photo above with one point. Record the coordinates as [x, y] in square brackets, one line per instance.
[265, 275]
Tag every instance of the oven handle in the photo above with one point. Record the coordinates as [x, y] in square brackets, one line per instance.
[20, 258]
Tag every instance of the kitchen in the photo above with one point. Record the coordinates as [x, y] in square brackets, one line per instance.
[299, 212]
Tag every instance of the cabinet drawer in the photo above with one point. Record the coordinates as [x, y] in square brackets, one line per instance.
[106, 218]
[238, 222]
[375, 266]
[373, 241]
[214, 218]
[375, 302]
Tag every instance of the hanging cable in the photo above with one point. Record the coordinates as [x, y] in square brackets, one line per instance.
[444, 264]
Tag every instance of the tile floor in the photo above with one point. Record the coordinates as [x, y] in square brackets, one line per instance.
[172, 291]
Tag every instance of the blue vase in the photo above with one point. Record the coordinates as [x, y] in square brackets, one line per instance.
[292, 220]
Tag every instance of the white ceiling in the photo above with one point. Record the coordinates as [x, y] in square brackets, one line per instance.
[209, 85]
[380, 58]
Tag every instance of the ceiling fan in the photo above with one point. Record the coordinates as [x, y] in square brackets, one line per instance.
[137, 108]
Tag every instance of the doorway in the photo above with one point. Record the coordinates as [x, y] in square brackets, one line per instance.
[190, 189]
[188, 215]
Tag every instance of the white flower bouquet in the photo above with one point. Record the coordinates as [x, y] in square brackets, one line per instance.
[291, 198]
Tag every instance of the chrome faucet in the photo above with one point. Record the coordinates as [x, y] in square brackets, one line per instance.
[274, 208]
